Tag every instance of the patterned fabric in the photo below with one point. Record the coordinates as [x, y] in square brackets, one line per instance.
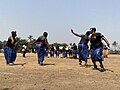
[10, 54]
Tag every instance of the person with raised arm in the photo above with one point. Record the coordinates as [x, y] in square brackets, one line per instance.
[83, 46]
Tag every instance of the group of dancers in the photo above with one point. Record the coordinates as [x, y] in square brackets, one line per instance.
[56, 50]
[95, 50]
[41, 44]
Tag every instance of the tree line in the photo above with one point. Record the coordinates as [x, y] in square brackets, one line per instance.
[28, 42]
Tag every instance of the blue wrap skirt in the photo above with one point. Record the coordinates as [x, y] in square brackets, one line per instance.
[57, 53]
[52, 53]
[46, 52]
[64, 54]
[83, 52]
[40, 52]
[74, 52]
[10, 54]
[96, 54]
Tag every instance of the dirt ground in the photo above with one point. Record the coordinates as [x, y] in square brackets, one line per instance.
[58, 74]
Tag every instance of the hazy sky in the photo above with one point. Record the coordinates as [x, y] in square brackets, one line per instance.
[57, 17]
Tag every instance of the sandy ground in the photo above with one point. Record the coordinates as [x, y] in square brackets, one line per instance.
[58, 74]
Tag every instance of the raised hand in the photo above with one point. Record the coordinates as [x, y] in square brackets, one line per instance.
[72, 30]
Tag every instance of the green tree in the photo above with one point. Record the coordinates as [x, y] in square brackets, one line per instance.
[60, 44]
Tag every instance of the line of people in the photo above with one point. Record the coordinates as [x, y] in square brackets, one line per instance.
[71, 50]
[42, 48]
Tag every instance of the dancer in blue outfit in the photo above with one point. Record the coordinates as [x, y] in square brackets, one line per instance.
[64, 53]
[57, 51]
[46, 52]
[97, 47]
[83, 47]
[52, 51]
[74, 51]
[41, 44]
[9, 49]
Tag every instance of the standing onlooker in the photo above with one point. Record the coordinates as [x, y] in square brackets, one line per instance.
[9, 48]
[41, 44]
[24, 48]
[74, 51]
[97, 47]
[64, 52]
[70, 49]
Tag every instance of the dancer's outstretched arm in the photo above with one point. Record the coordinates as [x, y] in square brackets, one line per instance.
[79, 35]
